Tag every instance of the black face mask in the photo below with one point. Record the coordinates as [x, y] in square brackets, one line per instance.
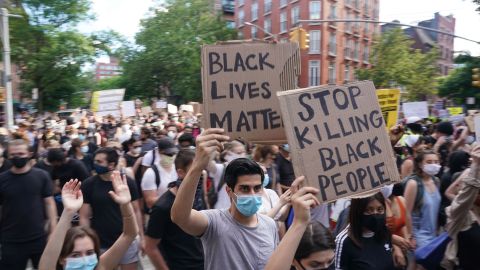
[19, 162]
[374, 223]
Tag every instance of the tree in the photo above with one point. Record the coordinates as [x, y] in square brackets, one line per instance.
[458, 84]
[167, 62]
[397, 64]
[49, 50]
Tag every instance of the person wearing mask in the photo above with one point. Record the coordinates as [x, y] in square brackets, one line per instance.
[65, 168]
[463, 220]
[5, 164]
[156, 178]
[26, 198]
[423, 198]
[234, 238]
[78, 247]
[307, 244]
[172, 131]
[412, 143]
[168, 246]
[79, 151]
[265, 155]
[147, 143]
[285, 168]
[366, 242]
[100, 211]
[84, 138]
[186, 141]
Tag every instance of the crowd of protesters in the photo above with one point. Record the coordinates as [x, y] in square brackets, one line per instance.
[89, 192]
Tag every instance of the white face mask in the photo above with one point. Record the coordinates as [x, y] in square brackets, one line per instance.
[137, 150]
[470, 140]
[386, 191]
[431, 169]
[232, 156]
[166, 161]
[172, 134]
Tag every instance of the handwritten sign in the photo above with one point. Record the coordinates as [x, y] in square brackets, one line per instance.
[107, 102]
[338, 139]
[389, 100]
[455, 110]
[419, 109]
[240, 82]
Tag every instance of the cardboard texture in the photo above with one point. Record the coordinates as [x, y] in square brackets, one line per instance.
[469, 119]
[338, 139]
[389, 100]
[419, 109]
[197, 107]
[107, 102]
[240, 82]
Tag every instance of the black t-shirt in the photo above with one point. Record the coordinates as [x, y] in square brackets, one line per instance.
[106, 216]
[87, 161]
[130, 160]
[23, 208]
[373, 255]
[72, 169]
[180, 250]
[44, 166]
[285, 171]
[5, 166]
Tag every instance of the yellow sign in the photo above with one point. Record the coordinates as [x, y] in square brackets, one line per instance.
[94, 104]
[389, 101]
[455, 110]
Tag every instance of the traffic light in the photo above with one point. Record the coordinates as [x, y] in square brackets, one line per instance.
[476, 77]
[304, 39]
[295, 35]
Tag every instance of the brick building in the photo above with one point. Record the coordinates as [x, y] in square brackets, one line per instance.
[227, 9]
[336, 49]
[108, 70]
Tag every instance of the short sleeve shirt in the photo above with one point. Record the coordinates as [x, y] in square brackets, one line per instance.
[149, 183]
[228, 244]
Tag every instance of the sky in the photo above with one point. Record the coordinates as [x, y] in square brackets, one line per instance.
[124, 17]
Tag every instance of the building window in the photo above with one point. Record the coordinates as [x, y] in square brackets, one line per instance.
[295, 15]
[365, 7]
[283, 22]
[313, 73]
[267, 25]
[283, 3]
[356, 50]
[348, 48]
[332, 44]
[240, 34]
[231, 24]
[241, 17]
[254, 11]
[346, 77]
[366, 29]
[268, 6]
[357, 4]
[254, 32]
[315, 41]
[366, 54]
[348, 25]
[332, 78]
[333, 12]
[315, 10]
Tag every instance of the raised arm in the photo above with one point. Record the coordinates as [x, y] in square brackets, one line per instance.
[283, 256]
[72, 199]
[190, 220]
[121, 195]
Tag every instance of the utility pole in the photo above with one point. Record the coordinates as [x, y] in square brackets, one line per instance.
[7, 67]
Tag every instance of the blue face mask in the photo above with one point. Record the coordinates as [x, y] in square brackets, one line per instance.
[82, 263]
[248, 205]
[84, 149]
[266, 180]
[99, 169]
[81, 137]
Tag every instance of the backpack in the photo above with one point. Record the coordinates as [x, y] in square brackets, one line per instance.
[420, 189]
[212, 192]
[157, 174]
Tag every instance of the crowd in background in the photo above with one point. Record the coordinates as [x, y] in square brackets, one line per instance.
[161, 186]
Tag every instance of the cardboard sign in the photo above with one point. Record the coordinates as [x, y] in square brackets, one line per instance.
[338, 139]
[240, 82]
[389, 100]
[197, 107]
[187, 108]
[172, 108]
[107, 102]
[146, 110]
[161, 104]
[455, 110]
[419, 109]
[128, 108]
[477, 127]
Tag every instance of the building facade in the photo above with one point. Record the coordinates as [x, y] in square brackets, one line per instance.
[227, 9]
[108, 70]
[336, 49]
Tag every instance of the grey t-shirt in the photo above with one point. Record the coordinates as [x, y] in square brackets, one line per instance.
[228, 244]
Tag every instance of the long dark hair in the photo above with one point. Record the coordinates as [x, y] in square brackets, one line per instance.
[357, 208]
[315, 238]
[417, 164]
[73, 234]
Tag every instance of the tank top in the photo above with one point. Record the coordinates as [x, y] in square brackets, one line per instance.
[395, 224]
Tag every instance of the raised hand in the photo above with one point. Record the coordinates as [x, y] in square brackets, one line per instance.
[302, 201]
[121, 193]
[209, 142]
[72, 197]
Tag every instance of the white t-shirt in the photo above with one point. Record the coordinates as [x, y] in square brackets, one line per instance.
[147, 158]
[148, 180]
[223, 200]
[269, 200]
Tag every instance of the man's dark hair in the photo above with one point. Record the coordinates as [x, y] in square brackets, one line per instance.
[56, 155]
[316, 238]
[184, 158]
[110, 152]
[240, 167]
[146, 131]
[186, 137]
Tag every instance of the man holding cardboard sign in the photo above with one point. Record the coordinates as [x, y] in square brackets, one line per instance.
[240, 81]
[338, 139]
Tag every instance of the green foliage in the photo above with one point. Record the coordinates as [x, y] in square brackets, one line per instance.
[110, 83]
[395, 64]
[167, 61]
[458, 84]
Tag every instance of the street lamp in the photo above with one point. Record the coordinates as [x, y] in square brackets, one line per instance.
[7, 65]
[261, 28]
